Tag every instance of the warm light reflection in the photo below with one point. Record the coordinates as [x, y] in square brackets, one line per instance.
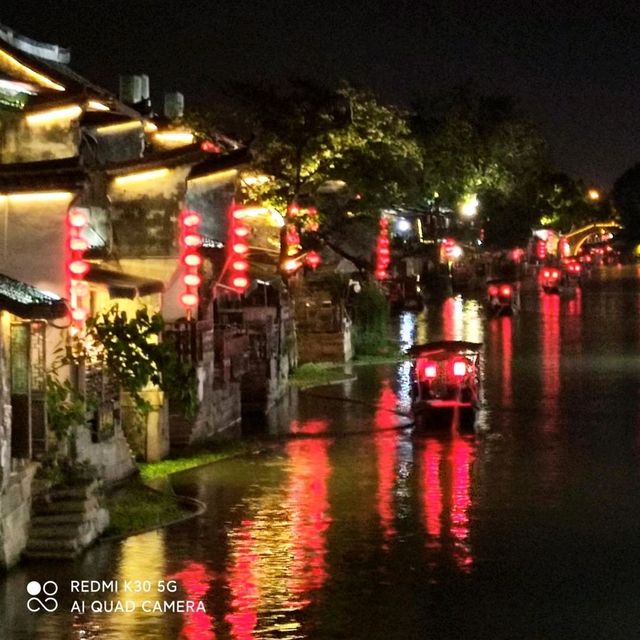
[37, 196]
[141, 558]
[243, 581]
[431, 488]
[218, 176]
[195, 580]
[308, 505]
[267, 214]
[278, 554]
[460, 460]
[385, 420]
[551, 347]
[52, 115]
[452, 319]
[141, 176]
[27, 73]
[96, 105]
[462, 320]
[445, 485]
[174, 137]
[574, 306]
[120, 127]
[507, 356]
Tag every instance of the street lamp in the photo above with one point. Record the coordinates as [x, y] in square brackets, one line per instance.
[594, 195]
[469, 206]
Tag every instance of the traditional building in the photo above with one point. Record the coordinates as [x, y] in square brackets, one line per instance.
[93, 193]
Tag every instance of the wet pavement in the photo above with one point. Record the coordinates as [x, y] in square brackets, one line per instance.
[356, 529]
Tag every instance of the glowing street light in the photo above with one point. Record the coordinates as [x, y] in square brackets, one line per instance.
[594, 195]
[469, 206]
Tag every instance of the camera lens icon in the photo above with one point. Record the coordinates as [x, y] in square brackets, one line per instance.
[47, 589]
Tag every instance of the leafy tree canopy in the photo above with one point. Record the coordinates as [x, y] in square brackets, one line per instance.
[306, 134]
[626, 199]
[475, 143]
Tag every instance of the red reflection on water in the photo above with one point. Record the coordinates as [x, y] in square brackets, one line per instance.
[551, 346]
[195, 580]
[385, 420]
[446, 497]
[461, 456]
[451, 319]
[574, 308]
[243, 583]
[507, 355]
[432, 488]
[309, 426]
[308, 506]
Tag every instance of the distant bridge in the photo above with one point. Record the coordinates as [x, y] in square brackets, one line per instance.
[593, 231]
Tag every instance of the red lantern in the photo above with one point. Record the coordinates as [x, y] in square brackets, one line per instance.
[190, 241]
[313, 259]
[239, 249]
[77, 268]
[383, 253]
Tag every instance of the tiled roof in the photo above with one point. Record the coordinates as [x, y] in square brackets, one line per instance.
[27, 302]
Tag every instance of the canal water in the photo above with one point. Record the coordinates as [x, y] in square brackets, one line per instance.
[355, 529]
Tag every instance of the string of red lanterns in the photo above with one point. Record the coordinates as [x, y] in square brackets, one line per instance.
[383, 252]
[292, 241]
[77, 268]
[308, 217]
[190, 243]
[239, 250]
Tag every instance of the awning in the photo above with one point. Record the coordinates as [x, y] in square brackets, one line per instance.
[123, 285]
[27, 302]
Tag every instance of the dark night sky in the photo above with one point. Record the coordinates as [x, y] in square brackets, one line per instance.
[573, 67]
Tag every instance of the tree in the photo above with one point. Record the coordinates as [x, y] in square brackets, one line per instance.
[626, 199]
[307, 135]
[563, 203]
[482, 145]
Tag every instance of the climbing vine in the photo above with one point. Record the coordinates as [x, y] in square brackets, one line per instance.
[132, 351]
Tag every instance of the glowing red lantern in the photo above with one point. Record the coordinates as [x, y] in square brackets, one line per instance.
[383, 254]
[210, 147]
[189, 300]
[240, 282]
[191, 219]
[240, 265]
[313, 259]
[190, 241]
[78, 218]
[192, 260]
[239, 249]
[77, 268]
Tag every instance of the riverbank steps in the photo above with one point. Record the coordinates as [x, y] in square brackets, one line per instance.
[66, 520]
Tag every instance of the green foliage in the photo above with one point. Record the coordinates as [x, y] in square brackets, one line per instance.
[66, 472]
[155, 470]
[135, 356]
[476, 143]
[66, 407]
[307, 134]
[564, 204]
[626, 199]
[134, 508]
[370, 312]
[317, 373]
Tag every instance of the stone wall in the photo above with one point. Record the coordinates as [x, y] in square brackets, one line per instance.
[219, 416]
[326, 346]
[15, 514]
[112, 458]
[21, 142]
